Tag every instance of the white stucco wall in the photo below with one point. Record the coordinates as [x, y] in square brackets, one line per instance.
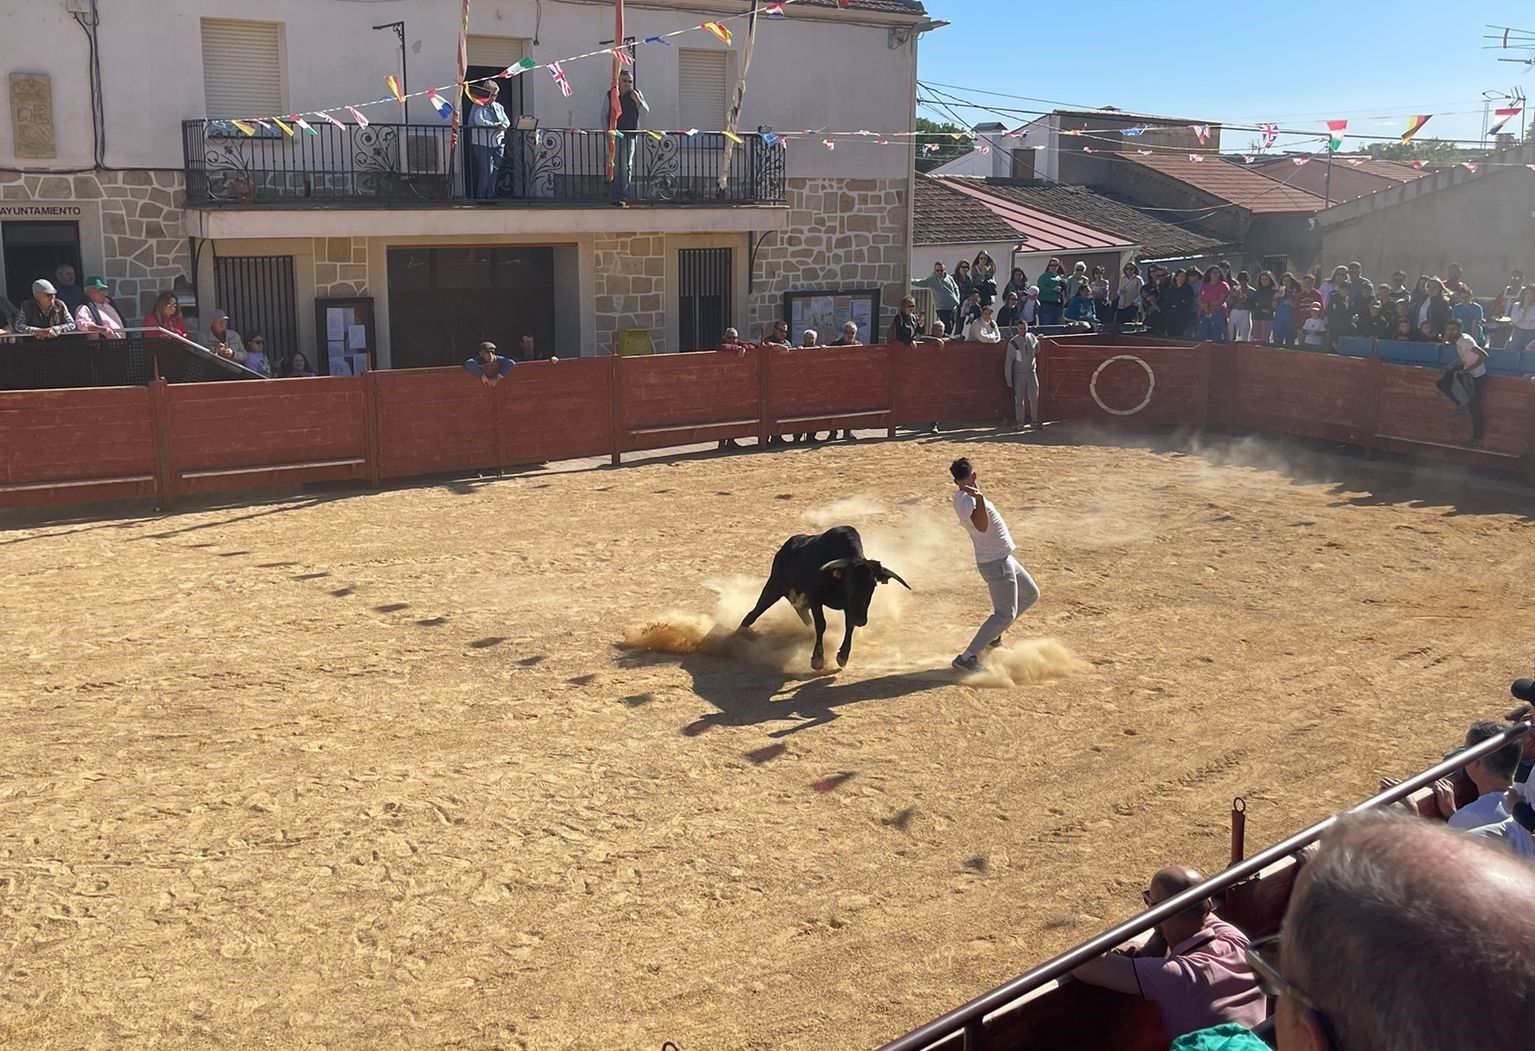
[809, 70]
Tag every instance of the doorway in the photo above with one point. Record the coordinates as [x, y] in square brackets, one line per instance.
[444, 302]
[35, 250]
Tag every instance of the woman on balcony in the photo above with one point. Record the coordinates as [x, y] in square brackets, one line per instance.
[167, 315]
[488, 122]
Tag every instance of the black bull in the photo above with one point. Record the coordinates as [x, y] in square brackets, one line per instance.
[813, 572]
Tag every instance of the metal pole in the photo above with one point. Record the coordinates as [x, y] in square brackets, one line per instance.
[961, 1018]
[1327, 187]
[399, 31]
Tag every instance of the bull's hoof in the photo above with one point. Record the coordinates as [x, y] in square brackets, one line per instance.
[817, 662]
[842, 659]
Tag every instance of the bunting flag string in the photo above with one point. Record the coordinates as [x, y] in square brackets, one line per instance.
[1415, 125]
[1501, 117]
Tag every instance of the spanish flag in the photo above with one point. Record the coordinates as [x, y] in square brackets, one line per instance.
[719, 31]
[394, 89]
[1415, 125]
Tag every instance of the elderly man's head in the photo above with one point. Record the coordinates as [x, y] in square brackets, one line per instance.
[96, 290]
[939, 329]
[64, 274]
[1171, 881]
[849, 330]
[43, 292]
[732, 336]
[1403, 935]
[218, 324]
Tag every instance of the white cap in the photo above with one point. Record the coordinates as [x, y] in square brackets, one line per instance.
[44, 286]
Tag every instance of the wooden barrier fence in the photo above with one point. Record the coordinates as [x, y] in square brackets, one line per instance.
[168, 441]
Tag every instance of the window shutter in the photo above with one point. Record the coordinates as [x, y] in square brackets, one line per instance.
[242, 69]
[496, 51]
[701, 89]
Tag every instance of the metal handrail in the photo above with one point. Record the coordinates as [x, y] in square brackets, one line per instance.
[969, 1017]
[153, 333]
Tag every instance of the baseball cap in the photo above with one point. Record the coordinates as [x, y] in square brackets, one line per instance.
[95, 282]
[218, 315]
[1523, 690]
[44, 286]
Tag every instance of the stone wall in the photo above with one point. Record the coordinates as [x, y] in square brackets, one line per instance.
[138, 220]
[340, 267]
[842, 234]
[630, 287]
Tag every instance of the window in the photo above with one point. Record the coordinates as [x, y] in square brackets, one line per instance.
[703, 297]
[242, 69]
[702, 85]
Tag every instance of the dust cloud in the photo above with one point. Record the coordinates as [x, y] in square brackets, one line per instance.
[904, 626]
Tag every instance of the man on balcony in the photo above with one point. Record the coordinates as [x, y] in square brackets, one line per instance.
[44, 315]
[98, 314]
[630, 105]
[488, 122]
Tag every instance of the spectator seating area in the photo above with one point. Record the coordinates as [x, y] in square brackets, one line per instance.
[1046, 1009]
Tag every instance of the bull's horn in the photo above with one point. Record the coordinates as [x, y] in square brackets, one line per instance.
[836, 563]
[890, 574]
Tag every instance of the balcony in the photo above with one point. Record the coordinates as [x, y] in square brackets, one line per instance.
[419, 166]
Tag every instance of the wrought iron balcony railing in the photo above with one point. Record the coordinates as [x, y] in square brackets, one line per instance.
[416, 165]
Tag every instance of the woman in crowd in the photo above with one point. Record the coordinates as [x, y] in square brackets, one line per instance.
[1522, 314]
[983, 329]
[1098, 288]
[1286, 312]
[298, 366]
[1007, 317]
[1339, 279]
[984, 273]
[1465, 309]
[1081, 309]
[1340, 317]
[1434, 310]
[1077, 279]
[1178, 305]
[1052, 293]
[1127, 300]
[1262, 301]
[1212, 306]
[166, 315]
[255, 355]
[1239, 306]
[963, 280]
[1018, 283]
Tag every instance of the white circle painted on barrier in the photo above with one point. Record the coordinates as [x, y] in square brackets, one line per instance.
[1151, 384]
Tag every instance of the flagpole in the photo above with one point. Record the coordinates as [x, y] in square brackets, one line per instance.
[458, 93]
[614, 107]
[732, 125]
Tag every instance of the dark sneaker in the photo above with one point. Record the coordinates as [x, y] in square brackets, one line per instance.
[994, 643]
[963, 663]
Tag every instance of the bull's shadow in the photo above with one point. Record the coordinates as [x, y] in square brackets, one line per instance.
[748, 694]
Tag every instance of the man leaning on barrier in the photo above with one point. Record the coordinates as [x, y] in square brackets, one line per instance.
[44, 315]
[1193, 968]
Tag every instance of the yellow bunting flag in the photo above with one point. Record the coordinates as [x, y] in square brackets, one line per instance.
[288, 131]
[394, 89]
[1415, 125]
[733, 137]
[248, 129]
[718, 30]
[654, 134]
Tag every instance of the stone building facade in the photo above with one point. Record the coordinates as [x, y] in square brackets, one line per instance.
[130, 220]
[340, 266]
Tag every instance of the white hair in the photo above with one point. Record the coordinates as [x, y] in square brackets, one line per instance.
[939, 328]
[810, 333]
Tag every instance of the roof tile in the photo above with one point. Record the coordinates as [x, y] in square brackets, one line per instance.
[1232, 183]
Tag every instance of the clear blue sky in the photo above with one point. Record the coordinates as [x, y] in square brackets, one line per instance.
[1296, 63]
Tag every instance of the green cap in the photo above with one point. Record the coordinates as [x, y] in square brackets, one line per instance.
[95, 282]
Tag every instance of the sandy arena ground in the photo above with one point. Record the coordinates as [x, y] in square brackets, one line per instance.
[375, 770]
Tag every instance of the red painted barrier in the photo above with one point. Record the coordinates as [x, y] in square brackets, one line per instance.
[71, 446]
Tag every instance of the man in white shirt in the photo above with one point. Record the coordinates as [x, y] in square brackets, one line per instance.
[1472, 361]
[223, 340]
[1493, 775]
[97, 315]
[1012, 589]
[488, 123]
[1018, 369]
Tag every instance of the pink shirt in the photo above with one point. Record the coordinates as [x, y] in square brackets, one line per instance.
[1212, 296]
[1203, 982]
